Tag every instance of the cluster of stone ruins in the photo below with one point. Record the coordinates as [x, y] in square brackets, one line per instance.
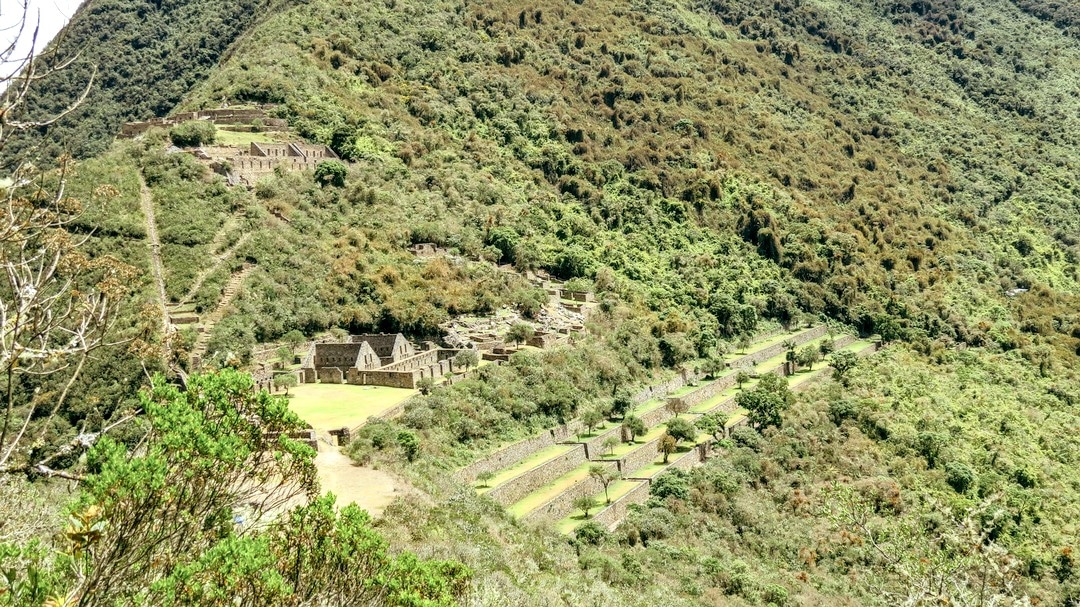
[243, 165]
[231, 116]
[375, 360]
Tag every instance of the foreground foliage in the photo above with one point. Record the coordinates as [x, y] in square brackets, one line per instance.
[203, 513]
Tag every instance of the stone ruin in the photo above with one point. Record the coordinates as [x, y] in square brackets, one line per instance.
[230, 116]
[240, 167]
[375, 360]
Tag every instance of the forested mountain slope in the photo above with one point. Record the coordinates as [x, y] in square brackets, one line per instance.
[710, 170]
[889, 165]
[143, 56]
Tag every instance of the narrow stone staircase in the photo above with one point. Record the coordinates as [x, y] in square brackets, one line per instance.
[232, 289]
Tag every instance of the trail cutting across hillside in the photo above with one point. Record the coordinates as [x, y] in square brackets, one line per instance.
[147, 201]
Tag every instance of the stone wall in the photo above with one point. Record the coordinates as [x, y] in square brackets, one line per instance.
[687, 460]
[330, 375]
[617, 511]
[799, 338]
[707, 391]
[658, 415]
[582, 296]
[642, 456]
[659, 390]
[390, 379]
[525, 483]
[594, 447]
[562, 505]
[423, 359]
[513, 453]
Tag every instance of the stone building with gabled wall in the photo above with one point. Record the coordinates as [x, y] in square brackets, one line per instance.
[374, 360]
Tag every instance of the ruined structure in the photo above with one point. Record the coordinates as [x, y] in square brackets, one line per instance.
[261, 159]
[374, 360]
[218, 116]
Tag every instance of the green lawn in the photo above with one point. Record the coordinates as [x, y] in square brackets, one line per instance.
[654, 433]
[328, 406]
[222, 137]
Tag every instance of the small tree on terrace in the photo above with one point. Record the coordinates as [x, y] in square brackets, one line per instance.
[610, 443]
[634, 426]
[585, 503]
[622, 403]
[743, 342]
[741, 378]
[714, 423]
[285, 355]
[466, 359]
[591, 418]
[677, 406]
[767, 401]
[286, 381]
[293, 339]
[807, 356]
[666, 446]
[713, 366]
[520, 333]
[605, 475]
[681, 429]
[843, 362]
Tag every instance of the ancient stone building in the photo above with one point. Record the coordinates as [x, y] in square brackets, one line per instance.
[374, 360]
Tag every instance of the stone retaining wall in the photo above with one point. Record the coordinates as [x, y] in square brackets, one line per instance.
[562, 505]
[594, 447]
[617, 511]
[687, 460]
[799, 338]
[644, 455]
[511, 454]
[525, 483]
[658, 415]
[707, 391]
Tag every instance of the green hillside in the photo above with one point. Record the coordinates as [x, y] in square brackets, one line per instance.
[714, 172]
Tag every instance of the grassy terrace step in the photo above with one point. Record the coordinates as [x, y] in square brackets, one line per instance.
[625, 449]
[549, 491]
[534, 460]
[615, 491]
[645, 408]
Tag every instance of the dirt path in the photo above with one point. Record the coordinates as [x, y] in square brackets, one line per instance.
[147, 202]
[372, 490]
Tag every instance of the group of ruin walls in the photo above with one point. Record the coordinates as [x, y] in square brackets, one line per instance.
[562, 505]
[615, 513]
[416, 361]
[525, 483]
